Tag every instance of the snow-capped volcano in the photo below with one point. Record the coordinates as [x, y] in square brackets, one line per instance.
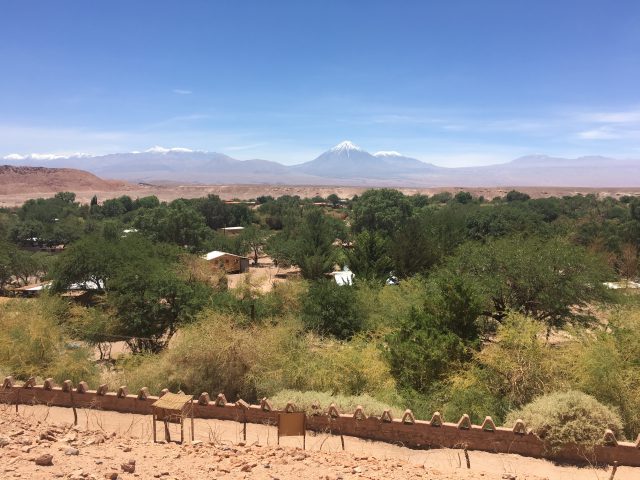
[347, 160]
[346, 146]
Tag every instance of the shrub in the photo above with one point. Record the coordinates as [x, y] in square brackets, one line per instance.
[212, 355]
[355, 367]
[566, 418]
[33, 344]
[215, 354]
[332, 309]
[307, 400]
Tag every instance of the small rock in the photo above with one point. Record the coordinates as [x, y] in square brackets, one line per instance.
[48, 435]
[356, 470]
[72, 451]
[77, 475]
[508, 476]
[111, 476]
[4, 441]
[45, 460]
[129, 467]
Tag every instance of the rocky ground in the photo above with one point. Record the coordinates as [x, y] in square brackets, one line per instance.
[40, 447]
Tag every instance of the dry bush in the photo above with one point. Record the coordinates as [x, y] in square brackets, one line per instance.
[508, 373]
[32, 343]
[352, 367]
[606, 366]
[217, 355]
[213, 355]
[568, 418]
[308, 401]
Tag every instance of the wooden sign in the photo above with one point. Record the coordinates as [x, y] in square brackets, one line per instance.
[292, 425]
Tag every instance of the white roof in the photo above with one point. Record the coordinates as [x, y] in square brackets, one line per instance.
[214, 254]
[618, 285]
[232, 228]
[35, 288]
[344, 277]
[217, 254]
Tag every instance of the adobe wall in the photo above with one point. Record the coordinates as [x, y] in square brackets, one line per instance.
[404, 431]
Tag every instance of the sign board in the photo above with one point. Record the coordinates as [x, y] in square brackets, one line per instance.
[292, 425]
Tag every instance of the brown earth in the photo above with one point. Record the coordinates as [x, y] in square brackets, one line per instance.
[105, 441]
[19, 184]
[41, 181]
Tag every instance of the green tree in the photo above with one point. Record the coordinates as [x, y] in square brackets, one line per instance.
[150, 302]
[252, 240]
[516, 196]
[308, 243]
[463, 197]
[91, 259]
[332, 309]
[334, 200]
[550, 280]
[383, 210]
[368, 259]
[421, 353]
[178, 223]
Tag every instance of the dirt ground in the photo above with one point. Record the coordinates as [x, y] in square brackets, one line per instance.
[263, 276]
[104, 441]
[245, 192]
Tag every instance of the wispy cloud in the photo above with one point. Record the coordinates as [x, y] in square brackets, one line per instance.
[180, 91]
[617, 117]
[601, 133]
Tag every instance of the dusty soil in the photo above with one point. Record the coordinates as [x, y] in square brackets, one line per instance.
[262, 277]
[14, 195]
[35, 182]
[104, 441]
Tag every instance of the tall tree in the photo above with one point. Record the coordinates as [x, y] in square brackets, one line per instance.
[383, 210]
[368, 258]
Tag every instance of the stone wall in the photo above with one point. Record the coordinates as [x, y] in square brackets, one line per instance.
[406, 431]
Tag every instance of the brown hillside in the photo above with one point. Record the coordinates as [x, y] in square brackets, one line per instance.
[42, 180]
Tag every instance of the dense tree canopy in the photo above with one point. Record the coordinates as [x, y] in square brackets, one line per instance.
[550, 280]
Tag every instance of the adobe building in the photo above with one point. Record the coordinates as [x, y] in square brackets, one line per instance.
[228, 262]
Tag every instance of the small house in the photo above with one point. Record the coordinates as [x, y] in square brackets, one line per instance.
[228, 262]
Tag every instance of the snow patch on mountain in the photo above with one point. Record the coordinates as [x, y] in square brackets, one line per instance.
[345, 147]
[43, 156]
[387, 153]
[159, 149]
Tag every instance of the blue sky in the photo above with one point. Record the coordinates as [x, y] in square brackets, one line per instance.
[456, 82]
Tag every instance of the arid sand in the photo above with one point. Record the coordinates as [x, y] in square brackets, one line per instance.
[104, 441]
[17, 197]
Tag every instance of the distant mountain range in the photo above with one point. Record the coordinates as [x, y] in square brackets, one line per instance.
[344, 164]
